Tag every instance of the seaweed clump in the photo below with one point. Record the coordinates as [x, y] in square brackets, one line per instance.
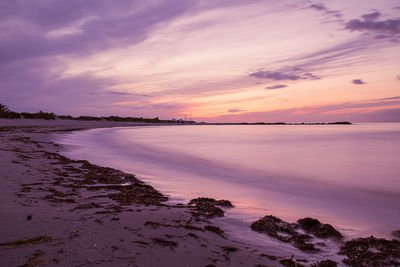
[209, 207]
[34, 240]
[371, 251]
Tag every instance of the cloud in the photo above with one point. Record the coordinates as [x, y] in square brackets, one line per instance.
[79, 28]
[277, 86]
[235, 110]
[322, 8]
[309, 75]
[371, 16]
[332, 57]
[283, 76]
[318, 6]
[358, 81]
[389, 98]
[119, 93]
[369, 23]
[368, 111]
[40, 38]
[275, 75]
[398, 77]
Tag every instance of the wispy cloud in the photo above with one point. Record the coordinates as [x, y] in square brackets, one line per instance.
[235, 110]
[371, 16]
[369, 23]
[322, 8]
[283, 76]
[275, 75]
[389, 98]
[118, 93]
[333, 57]
[358, 81]
[167, 56]
[80, 27]
[277, 86]
[386, 109]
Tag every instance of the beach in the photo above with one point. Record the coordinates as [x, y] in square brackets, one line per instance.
[57, 221]
[70, 212]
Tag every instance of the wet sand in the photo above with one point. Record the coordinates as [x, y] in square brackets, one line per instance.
[60, 212]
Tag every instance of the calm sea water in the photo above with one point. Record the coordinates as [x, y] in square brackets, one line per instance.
[346, 175]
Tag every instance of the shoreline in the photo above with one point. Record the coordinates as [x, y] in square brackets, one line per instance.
[71, 212]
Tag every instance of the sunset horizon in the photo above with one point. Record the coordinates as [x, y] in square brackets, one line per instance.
[200, 133]
[220, 61]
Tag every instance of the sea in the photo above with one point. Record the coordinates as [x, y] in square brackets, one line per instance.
[345, 175]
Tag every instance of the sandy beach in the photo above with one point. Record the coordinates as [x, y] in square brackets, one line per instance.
[58, 211]
[61, 212]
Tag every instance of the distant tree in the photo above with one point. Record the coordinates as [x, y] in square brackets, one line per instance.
[4, 108]
[39, 115]
[5, 112]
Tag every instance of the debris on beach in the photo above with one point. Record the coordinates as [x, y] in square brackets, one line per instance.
[34, 240]
[165, 243]
[229, 249]
[215, 229]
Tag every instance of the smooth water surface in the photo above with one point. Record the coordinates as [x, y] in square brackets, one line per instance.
[346, 175]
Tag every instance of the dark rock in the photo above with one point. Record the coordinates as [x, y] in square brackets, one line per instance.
[309, 224]
[272, 226]
[290, 263]
[300, 242]
[211, 201]
[326, 263]
[371, 251]
[284, 231]
[396, 233]
[224, 203]
[207, 207]
[319, 229]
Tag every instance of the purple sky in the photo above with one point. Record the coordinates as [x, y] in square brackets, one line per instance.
[248, 60]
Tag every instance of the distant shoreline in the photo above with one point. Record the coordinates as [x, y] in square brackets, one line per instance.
[125, 121]
[277, 123]
[6, 113]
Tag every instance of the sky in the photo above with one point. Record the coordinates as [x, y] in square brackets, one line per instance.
[211, 60]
